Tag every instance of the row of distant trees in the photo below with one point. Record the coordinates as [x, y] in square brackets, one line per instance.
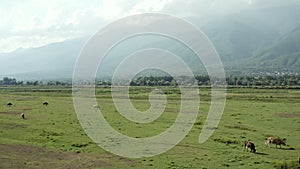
[6, 81]
[282, 80]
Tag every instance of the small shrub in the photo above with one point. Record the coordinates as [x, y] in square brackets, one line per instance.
[79, 145]
[240, 127]
[226, 141]
[289, 164]
[226, 165]
[50, 133]
[198, 123]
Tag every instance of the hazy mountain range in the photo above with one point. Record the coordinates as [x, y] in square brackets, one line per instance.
[252, 41]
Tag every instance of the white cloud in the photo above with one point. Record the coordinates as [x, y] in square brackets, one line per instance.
[56, 20]
[148, 6]
[110, 10]
[32, 23]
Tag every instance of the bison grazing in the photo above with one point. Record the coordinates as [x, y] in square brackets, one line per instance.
[249, 144]
[9, 104]
[45, 103]
[276, 141]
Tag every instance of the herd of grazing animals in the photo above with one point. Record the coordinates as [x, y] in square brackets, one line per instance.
[247, 144]
[270, 140]
[9, 104]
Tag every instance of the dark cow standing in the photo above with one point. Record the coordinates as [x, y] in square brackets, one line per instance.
[249, 144]
[45, 103]
[23, 115]
[9, 104]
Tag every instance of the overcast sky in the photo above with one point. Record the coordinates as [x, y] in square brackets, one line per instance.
[34, 23]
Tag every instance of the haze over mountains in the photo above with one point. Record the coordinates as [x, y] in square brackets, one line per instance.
[264, 40]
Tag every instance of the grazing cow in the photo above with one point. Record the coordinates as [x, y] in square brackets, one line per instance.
[276, 141]
[23, 115]
[45, 103]
[269, 141]
[9, 104]
[249, 144]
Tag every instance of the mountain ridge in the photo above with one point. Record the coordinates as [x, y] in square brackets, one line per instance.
[248, 42]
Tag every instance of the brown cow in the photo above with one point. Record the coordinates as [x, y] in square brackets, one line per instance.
[276, 141]
[248, 144]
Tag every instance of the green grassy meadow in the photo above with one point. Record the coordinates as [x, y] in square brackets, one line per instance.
[51, 136]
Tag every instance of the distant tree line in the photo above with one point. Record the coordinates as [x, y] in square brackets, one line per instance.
[154, 81]
[12, 81]
[282, 80]
[201, 80]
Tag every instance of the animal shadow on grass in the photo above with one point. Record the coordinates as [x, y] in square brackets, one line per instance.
[261, 153]
[286, 148]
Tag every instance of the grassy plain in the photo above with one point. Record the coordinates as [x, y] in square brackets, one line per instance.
[51, 136]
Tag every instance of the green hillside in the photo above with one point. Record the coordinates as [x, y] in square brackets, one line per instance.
[236, 39]
[282, 54]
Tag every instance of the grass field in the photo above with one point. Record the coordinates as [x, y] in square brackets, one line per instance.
[51, 136]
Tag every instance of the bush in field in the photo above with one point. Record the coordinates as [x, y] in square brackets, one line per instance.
[286, 164]
[226, 141]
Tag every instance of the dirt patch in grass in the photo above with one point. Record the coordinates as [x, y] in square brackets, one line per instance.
[10, 112]
[240, 127]
[173, 110]
[7, 126]
[15, 113]
[26, 99]
[25, 156]
[26, 109]
[288, 115]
